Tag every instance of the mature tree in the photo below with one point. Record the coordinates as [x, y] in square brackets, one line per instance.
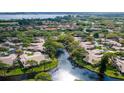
[112, 36]
[78, 53]
[3, 66]
[25, 38]
[90, 38]
[51, 46]
[32, 62]
[96, 35]
[103, 64]
[19, 53]
[3, 49]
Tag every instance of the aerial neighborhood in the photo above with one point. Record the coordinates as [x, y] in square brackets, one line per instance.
[30, 46]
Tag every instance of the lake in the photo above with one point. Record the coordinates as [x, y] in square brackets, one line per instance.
[28, 16]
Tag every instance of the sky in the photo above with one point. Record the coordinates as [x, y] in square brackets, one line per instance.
[61, 5]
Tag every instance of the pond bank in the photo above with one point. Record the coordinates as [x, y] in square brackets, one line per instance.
[17, 75]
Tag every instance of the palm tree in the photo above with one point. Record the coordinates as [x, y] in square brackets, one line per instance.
[19, 53]
[103, 64]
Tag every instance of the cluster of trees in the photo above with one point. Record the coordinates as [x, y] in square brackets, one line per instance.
[112, 35]
[26, 39]
[30, 22]
[77, 52]
[39, 21]
[51, 46]
[3, 49]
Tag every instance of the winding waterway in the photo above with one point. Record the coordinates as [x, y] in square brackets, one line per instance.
[67, 72]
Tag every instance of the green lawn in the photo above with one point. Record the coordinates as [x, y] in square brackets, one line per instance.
[111, 72]
[17, 71]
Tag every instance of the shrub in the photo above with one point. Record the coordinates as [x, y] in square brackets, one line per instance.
[43, 76]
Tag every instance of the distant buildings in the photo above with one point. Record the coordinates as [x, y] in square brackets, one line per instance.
[46, 25]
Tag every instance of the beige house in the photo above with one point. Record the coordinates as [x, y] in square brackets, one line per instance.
[38, 46]
[94, 56]
[119, 62]
[87, 45]
[8, 59]
[36, 56]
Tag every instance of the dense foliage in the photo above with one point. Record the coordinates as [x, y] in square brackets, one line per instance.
[43, 76]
